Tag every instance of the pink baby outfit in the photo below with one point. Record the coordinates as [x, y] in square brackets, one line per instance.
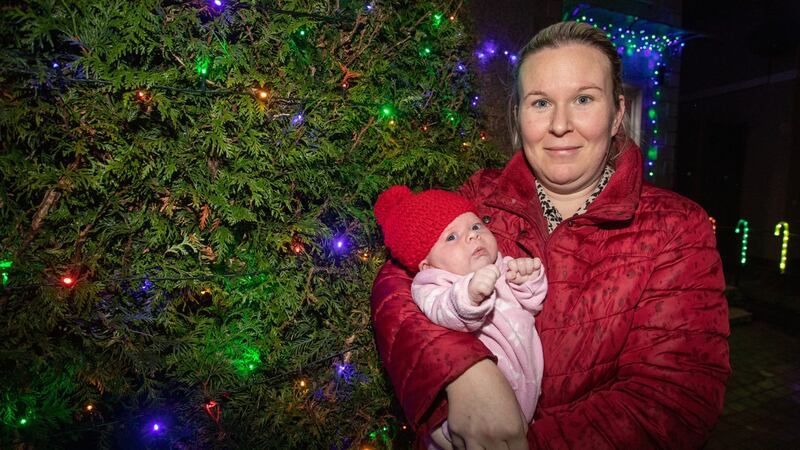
[503, 322]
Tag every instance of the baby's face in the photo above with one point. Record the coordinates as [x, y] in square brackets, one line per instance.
[464, 246]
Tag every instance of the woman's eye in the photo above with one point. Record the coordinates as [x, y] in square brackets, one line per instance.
[584, 99]
[450, 237]
[541, 103]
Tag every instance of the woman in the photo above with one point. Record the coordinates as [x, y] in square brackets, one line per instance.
[634, 327]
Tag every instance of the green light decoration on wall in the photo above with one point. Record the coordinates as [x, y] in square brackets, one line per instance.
[642, 48]
[784, 243]
[743, 228]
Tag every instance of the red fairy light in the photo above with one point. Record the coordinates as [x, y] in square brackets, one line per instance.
[213, 410]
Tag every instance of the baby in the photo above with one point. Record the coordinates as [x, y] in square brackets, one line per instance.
[465, 284]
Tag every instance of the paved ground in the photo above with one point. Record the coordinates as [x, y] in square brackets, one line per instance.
[762, 402]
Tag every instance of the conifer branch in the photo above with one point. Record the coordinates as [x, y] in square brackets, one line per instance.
[48, 201]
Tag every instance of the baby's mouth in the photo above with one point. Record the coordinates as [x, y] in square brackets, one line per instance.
[480, 251]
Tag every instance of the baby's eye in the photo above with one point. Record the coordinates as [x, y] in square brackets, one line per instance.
[450, 237]
[476, 227]
[583, 99]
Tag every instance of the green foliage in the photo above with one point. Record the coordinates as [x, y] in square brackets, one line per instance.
[199, 218]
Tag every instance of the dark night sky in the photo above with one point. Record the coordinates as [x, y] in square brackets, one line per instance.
[739, 43]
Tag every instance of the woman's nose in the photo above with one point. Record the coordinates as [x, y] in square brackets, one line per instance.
[560, 122]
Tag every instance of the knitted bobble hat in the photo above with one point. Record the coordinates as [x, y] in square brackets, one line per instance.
[411, 223]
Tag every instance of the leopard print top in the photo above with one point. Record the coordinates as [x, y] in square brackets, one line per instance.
[551, 214]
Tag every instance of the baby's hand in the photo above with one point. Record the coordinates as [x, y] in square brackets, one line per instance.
[482, 283]
[521, 270]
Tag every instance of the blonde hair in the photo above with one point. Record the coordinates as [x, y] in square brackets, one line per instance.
[559, 35]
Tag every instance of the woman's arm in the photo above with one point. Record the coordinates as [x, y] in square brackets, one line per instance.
[483, 410]
[671, 374]
[424, 361]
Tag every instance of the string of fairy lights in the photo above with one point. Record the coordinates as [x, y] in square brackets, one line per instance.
[742, 229]
[653, 50]
[633, 43]
[59, 71]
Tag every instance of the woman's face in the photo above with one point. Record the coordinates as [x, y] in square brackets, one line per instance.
[567, 115]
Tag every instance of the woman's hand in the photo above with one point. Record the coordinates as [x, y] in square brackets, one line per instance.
[483, 412]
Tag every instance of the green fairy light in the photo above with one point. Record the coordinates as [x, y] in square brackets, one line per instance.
[652, 153]
[651, 113]
[5, 264]
[23, 421]
[437, 19]
[387, 110]
[452, 118]
[245, 359]
[202, 66]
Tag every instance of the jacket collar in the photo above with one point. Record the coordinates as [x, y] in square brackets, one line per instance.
[516, 189]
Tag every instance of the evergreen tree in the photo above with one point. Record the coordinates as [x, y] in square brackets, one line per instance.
[187, 235]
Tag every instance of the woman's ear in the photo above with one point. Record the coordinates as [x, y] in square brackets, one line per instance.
[618, 116]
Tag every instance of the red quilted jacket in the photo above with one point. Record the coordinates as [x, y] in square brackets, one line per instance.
[634, 327]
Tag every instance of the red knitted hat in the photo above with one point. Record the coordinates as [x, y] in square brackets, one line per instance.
[412, 223]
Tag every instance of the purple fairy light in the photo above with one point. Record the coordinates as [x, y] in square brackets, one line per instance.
[490, 47]
[345, 372]
[340, 244]
[297, 119]
[146, 285]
